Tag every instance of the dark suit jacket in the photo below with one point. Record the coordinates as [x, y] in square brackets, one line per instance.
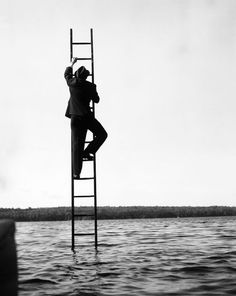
[81, 94]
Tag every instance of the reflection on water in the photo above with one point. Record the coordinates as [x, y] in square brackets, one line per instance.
[192, 256]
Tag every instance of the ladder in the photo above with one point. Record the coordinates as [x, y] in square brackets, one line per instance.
[94, 195]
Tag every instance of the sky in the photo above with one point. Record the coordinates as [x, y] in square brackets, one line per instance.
[165, 72]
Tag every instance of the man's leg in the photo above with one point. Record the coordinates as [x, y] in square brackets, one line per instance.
[99, 133]
[79, 131]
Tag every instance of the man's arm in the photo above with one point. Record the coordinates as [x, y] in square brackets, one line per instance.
[95, 98]
[68, 74]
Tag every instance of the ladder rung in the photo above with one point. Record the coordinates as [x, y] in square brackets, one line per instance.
[87, 142]
[88, 75]
[88, 159]
[83, 215]
[81, 43]
[83, 196]
[80, 234]
[90, 178]
[84, 59]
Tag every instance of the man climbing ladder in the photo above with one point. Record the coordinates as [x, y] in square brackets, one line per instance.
[82, 92]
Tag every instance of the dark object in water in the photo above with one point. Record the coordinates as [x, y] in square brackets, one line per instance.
[8, 259]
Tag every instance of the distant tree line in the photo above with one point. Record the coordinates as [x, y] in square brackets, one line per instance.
[131, 212]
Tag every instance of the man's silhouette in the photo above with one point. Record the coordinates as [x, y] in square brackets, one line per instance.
[82, 119]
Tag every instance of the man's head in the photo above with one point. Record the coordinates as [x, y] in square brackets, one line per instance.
[82, 73]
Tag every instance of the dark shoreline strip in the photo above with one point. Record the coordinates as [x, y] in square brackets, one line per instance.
[130, 212]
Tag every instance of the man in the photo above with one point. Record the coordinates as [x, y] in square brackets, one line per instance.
[82, 92]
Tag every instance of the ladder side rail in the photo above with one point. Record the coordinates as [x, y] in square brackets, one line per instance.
[94, 161]
[72, 179]
[95, 204]
[71, 44]
[72, 199]
[92, 57]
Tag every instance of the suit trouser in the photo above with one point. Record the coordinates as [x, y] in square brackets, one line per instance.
[79, 127]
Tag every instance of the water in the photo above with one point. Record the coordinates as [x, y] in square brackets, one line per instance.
[191, 256]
